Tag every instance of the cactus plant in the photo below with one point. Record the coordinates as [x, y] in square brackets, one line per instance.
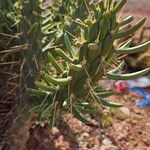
[9, 21]
[57, 18]
[30, 27]
[8, 24]
[70, 82]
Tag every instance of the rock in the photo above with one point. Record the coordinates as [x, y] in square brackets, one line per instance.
[147, 124]
[134, 121]
[138, 111]
[122, 113]
[125, 110]
[106, 141]
[109, 147]
[55, 131]
[85, 135]
[118, 127]
[46, 140]
[122, 136]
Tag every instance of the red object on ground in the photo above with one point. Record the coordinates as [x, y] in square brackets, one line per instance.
[120, 86]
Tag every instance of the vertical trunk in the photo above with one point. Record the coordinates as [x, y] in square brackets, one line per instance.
[31, 35]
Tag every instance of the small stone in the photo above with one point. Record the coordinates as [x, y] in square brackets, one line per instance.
[103, 136]
[55, 131]
[106, 141]
[125, 110]
[122, 113]
[137, 111]
[134, 121]
[147, 124]
[131, 137]
[120, 137]
[109, 147]
[127, 143]
[61, 137]
[45, 140]
[85, 135]
[98, 131]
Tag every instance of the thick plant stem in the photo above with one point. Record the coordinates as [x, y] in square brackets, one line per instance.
[30, 27]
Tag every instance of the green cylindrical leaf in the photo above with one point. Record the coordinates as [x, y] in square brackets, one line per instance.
[106, 102]
[132, 50]
[55, 81]
[128, 76]
[78, 114]
[54, 63]
[68, 45]
[126, 20]
[63, 55]
[45, 87]
[130, 30]
[119, 6]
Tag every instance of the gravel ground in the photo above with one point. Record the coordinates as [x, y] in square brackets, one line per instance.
[127, 128]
